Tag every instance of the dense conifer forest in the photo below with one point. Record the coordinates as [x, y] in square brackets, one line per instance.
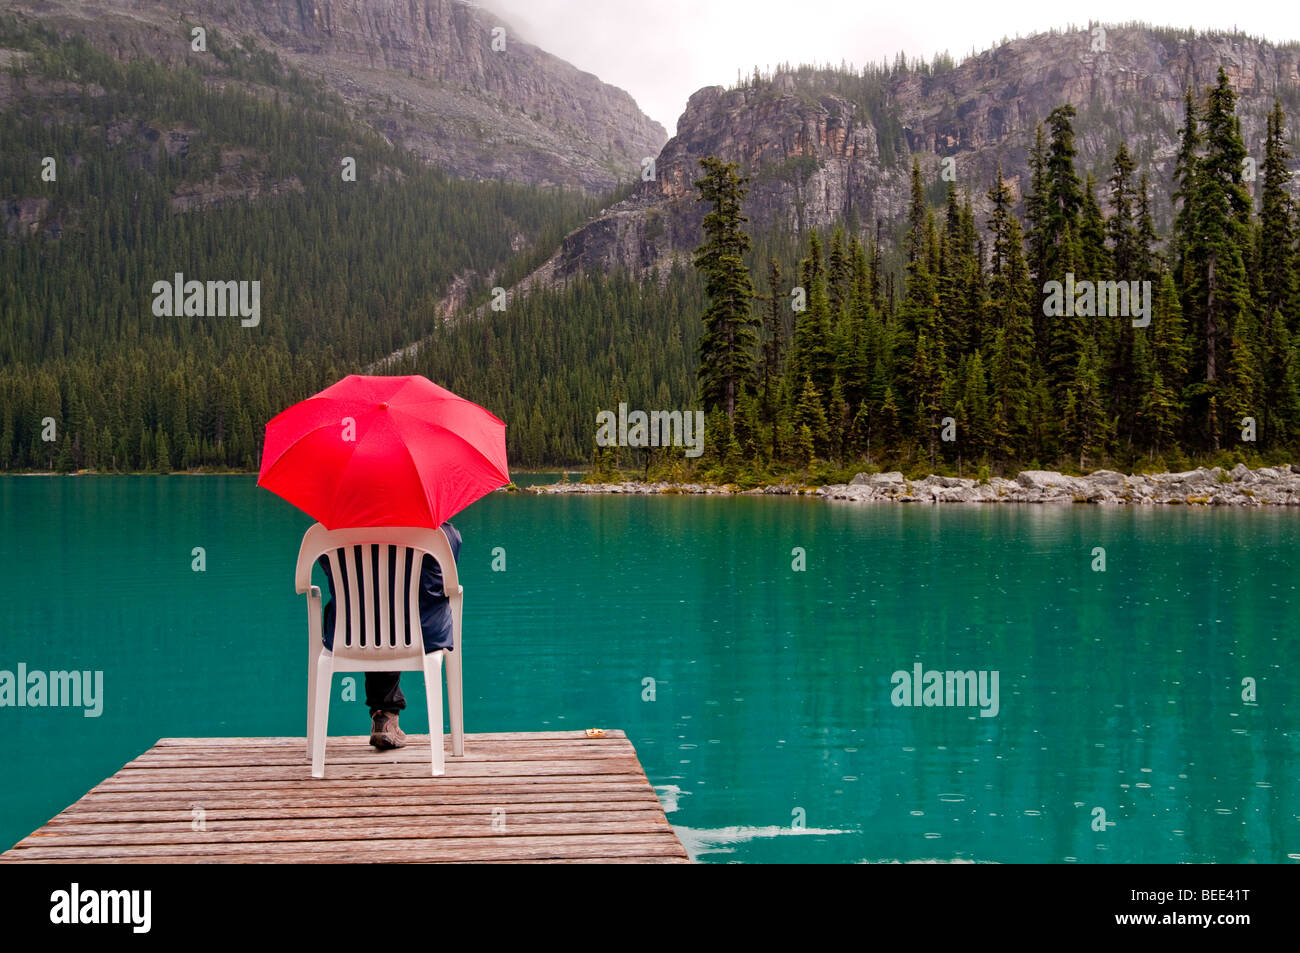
[349, 271]
[962, 369]
[925, 347]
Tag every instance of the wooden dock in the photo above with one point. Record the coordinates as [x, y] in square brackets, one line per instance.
[548, 797]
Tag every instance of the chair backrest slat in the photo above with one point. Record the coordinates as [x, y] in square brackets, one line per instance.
[340, 623]
[351, 598]
[385, 590]
[399, 604]
[414, 632]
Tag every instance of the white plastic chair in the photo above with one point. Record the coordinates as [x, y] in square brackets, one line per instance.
[388, 640]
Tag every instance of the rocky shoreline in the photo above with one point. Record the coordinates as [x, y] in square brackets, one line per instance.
[1241, 486]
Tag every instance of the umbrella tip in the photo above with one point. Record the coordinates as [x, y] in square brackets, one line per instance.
[383, 405]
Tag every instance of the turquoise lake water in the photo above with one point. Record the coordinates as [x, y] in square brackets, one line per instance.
[772, 733]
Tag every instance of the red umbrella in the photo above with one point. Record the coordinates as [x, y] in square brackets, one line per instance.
[384, 451]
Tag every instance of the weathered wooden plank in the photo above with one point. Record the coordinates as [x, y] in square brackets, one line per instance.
[428, 821]
[415, 750]
[389, 851]
[413, 740]
[265, 832]
[396, 792]
[377, 787]
[413, 754]
[91, 810]
[392, 769]
[598, 853]
[244, 859]
[599, 860]
[364, 740]
[185, 814]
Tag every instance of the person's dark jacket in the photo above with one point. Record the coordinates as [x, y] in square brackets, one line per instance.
[435, 609]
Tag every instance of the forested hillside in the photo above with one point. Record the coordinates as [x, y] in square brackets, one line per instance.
[963, 367]
[1018, 347]
[349, 270]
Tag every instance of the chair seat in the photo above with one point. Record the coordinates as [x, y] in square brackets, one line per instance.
[348, 662]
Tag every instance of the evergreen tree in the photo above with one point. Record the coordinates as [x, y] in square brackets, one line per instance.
[1218, 290]
[813, 356]
[1162, 407]
[810, 419]
[1148, 261]
[1278, 295]
[1085, 425]
[1063, 199]
[1130, 261]
[1011, 371]
[773, 351]
[727, 345]
[1122, 227]
[1185, 171]
[1094, 257]
[164, 461]
[1036, 209]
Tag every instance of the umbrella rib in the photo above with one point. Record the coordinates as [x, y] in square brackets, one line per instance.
[453, 399]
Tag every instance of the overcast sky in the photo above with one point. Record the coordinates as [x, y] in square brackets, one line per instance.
[661, 51]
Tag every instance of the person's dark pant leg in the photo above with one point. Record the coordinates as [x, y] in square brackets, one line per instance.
[384, 692]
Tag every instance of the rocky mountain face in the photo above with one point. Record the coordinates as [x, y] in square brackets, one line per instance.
[424, 73]
[814, 153]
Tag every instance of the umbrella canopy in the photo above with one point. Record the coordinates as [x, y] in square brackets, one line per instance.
[384, 451]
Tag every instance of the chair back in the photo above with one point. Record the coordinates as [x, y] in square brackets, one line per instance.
[376, 573]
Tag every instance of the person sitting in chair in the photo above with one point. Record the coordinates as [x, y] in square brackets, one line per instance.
[384, 695]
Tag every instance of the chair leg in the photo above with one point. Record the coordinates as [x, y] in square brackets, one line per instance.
[313, 654]
[321, 719]
[433, 694]
[456, 703]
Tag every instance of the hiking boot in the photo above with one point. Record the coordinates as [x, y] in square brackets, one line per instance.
[384, 733]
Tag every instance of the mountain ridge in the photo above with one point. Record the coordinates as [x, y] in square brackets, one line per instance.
[817, 154]
[423, 73]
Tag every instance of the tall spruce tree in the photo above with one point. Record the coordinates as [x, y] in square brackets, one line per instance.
[1162, 408]
[727, 346]
[1011, 364]
[773, 351]
[1129, 263]
[812, 355]
[1058, 238]
[1185, 168]
[1218, 288]
[1278, 296]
